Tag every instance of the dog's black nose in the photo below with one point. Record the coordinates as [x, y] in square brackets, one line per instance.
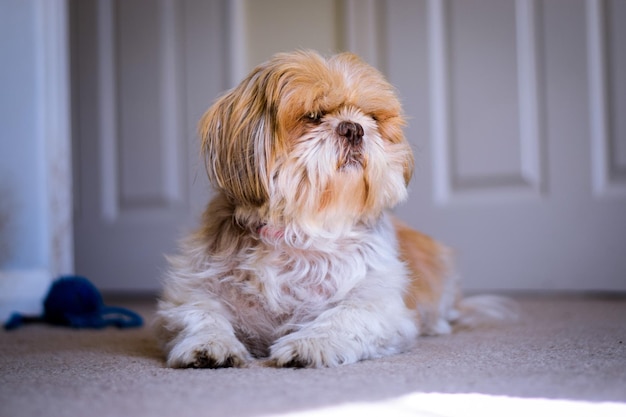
[353, 132]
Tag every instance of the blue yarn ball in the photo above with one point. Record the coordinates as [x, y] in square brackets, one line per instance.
[70, 298]
[74, 301]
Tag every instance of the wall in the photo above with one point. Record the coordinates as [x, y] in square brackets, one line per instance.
[21, 151]
[35, 183]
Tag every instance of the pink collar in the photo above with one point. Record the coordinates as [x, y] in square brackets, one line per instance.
[270, 232]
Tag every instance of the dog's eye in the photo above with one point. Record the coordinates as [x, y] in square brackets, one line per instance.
[315, 117]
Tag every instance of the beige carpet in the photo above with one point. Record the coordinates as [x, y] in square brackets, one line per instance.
[563, 348]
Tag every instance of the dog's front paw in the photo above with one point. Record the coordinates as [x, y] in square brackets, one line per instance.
[204, 358]
[214, 353]
[301, 351]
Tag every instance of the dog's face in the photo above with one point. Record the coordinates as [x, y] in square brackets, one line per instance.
[309, 140]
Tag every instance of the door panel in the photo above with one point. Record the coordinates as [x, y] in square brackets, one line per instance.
[510, 111]
[482, 57]
[142, 81]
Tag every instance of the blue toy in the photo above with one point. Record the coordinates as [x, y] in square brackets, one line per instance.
[74, 301]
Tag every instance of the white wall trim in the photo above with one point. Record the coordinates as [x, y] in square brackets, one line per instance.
[107, 97]
[55, 130]
[172, 104]
[439, 100]
[605, 183]
[238, 41]
[528, 90]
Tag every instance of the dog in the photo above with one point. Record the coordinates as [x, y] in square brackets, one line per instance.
[298, 261]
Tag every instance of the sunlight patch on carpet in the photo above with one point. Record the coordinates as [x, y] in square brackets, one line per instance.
[465, 405]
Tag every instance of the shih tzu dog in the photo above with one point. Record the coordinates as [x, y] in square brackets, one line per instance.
[298, 260]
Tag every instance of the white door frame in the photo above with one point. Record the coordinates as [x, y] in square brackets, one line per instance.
[55, 134]
[23, 287]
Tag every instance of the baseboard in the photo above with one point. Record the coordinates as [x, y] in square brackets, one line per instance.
[23, 291]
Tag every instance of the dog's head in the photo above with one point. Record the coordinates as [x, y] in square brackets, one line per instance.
[309, 140]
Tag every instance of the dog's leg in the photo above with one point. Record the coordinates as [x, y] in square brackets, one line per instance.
[360, 327]
[199, 335]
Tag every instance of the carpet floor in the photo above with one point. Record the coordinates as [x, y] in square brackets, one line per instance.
[565, 356]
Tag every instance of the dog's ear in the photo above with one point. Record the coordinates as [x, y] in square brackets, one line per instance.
[237, 135]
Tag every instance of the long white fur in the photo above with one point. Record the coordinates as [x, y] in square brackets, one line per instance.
[341, 303]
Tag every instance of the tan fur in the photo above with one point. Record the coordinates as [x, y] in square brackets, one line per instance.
[432, 279]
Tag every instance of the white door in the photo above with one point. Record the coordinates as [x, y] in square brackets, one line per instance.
[516, 111]
[518, 116]
[144, 72]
